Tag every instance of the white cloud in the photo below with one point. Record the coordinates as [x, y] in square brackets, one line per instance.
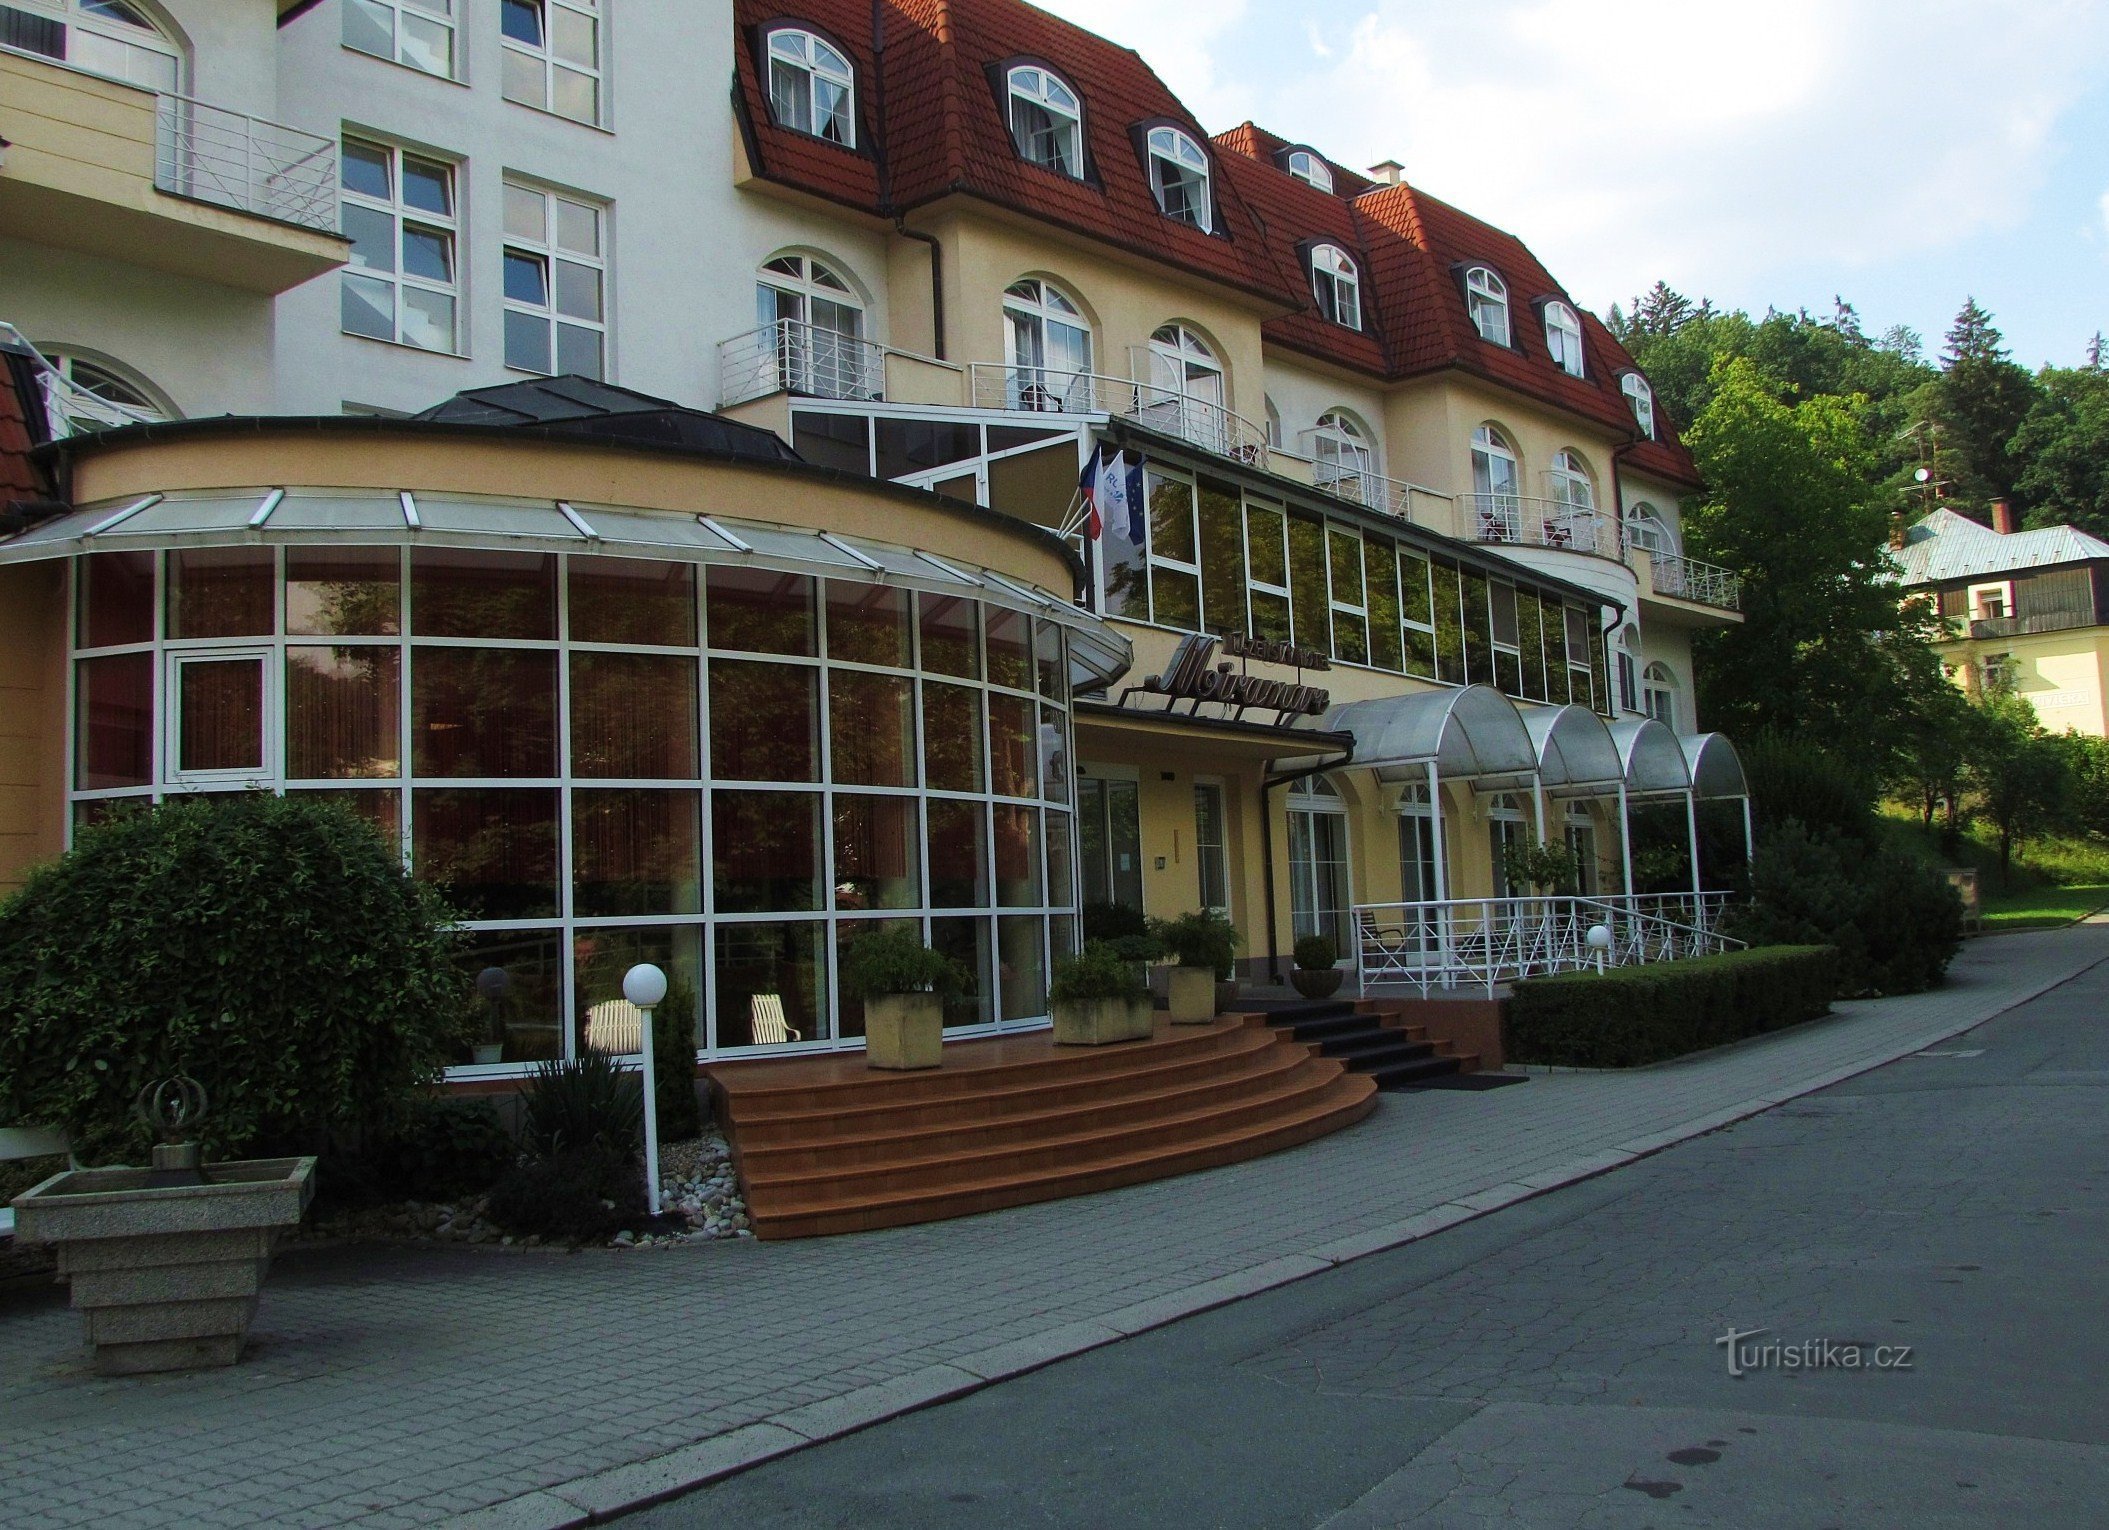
[1710, 143]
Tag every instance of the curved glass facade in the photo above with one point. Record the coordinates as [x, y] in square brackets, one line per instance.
[729, 770]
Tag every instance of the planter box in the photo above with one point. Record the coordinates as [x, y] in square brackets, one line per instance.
[1319, 983]
[1192, 991]
[904, 1031]
[166, 1277]
[1095, 1022]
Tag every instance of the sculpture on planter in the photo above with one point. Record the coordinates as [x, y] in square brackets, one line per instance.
[1204, 945]
[166, 1263]
[1098, 997]
[1316, 976]
[904, 985]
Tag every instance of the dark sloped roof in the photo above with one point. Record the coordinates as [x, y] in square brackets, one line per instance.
[574, 405]
[22, 427]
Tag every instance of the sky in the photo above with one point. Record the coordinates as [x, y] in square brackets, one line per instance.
[1903, 154]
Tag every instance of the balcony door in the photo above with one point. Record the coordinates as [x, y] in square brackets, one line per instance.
[1185, 393]
[1046, 350]
[1319, 872]
[810, 320]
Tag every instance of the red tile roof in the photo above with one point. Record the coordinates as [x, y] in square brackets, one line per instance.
[932, 124]
[19, 479]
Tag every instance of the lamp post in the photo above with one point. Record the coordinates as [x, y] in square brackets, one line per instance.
[1599, 939]
[644, 985]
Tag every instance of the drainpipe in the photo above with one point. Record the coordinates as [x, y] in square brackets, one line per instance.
[1267, 785]
[885, 170]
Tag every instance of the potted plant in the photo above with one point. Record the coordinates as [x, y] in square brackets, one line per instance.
[1315, 976]
[1098, 997]
[1543, 868]
[1127, 930]
[1204, 945]
[904, 985]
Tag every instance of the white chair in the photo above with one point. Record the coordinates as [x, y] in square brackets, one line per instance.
[616, 1027]
[765, 1013]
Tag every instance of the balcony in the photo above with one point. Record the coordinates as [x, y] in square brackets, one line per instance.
[795, 359]
[2035, 621]
[164, 182]
[1556, 524]
[1683, 578]
[1046, 390]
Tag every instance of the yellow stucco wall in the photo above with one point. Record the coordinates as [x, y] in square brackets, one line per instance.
[2065, 675]
[32, 717]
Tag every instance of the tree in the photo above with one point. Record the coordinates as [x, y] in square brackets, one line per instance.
[2064, 444]
[1983, 398]
[2017, 774]
[1933, 758]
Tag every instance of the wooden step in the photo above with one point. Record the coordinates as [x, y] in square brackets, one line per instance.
[1347, 1099]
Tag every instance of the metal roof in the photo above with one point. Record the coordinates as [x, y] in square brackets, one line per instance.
[1947, 546]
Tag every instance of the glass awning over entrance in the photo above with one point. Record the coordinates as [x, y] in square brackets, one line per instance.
[1576, 755]
[1717, 770]
[1654, 761]
[1471, 734]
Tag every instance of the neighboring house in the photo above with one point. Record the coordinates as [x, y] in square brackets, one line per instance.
[955, 245]
[2027, 610]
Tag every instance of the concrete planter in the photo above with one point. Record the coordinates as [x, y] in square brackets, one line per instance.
[166, 1277]
[1192, 991]
[904, 1031]
[1318, 983]
[1095, 1022]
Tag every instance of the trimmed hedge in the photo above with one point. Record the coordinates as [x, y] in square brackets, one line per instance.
[1631, 1016]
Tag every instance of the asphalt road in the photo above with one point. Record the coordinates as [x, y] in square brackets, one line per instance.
[1557, 1364]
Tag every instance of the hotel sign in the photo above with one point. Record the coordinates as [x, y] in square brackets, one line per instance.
[1195, 676]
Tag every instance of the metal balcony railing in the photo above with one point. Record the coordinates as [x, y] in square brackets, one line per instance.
[1198, 421]
[230, 159]
[789, 356]
[70, 409]
[1555, 523]
[2036, 621]
[1479, 942]
[1392, 496]
[1689, 579]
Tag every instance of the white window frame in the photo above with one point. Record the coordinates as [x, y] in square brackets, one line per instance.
[547, 248]
[403, 213]
[1640, 398]
[1218, 853]
[1568, 482]
[264, 772]
[1628, 671]
[799, 51]
[1048, 370]
[1336, 286]
[1487, 304]
[132, 52]
[1563, 339]
[1176, 159]
[404, 20]
[1309, 168]
[1254, 585]
[824, 360]
[1649, 530]
[2001, 590]
[1357, 609]
[1498, 497]
[1153, 475]
[111, 381]
[1038, 88]
[549, 63]
[1341, 452]
[1658, 694]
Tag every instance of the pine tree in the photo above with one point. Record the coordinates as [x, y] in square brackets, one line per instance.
[1662, 310]
[2094, 352]
[1845, 318]
[1984, 397]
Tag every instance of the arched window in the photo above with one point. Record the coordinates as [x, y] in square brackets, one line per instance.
[1641, 398]
[1274, 424]
[1563, 338]
[811, 330]
[1659, 695]
[1047, 120]
[1570, 482]
[1179, 177]
[1645, 528]
[1047, 345]
[1624, 649]
[112, 38]
[812, 88]
[1182, 363]
[1337, 285]
[1342, 459]
[96, 394]
[1309, 168]
[1497, 486]
[1487, 301]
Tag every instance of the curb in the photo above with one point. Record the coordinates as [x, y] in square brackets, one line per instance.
[604, 1495]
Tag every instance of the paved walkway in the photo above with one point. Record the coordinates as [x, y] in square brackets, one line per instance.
[395, 1387]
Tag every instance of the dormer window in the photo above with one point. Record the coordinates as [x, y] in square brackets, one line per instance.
[1179, 177]
[1487, 301]
[1309, 168]
[1047, 120]
[812, 88]
[1337, 285]
[1641, 398]
[1563, 338]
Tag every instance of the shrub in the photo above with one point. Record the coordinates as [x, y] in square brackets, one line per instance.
[271, 948]
[444, 1149]
[580, 1193]
[1895, 921]
[1205, 938]
[587, 1102]
[1098, 972]
[674, 1062]
[1315, 953]
[1631, 1016]
[1817, 784]
[895, 961]
[1124, 928]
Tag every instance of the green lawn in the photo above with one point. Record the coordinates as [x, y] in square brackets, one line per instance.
[2033, 908]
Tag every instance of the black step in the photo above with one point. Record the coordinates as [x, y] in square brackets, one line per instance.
[1298, 1011]
[1354, 1023]
[1385, 1045]
[1419, 1074]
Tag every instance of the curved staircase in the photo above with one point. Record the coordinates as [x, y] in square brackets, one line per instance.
[1372, 1039]
[828, 1145]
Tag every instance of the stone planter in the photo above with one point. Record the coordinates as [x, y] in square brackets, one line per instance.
[166, 1276]
[1095, 1022]
[1319, 983]
[904, 1031]
[1192, 991]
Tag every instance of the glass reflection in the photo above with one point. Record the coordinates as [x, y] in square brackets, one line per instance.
[343, 712]
[636, 852]
[764, 721]
[493, 852]
[770, 980]
[515, 995]
[600, 958]
[867, 624]
[456, 592]
[633, 716]
[483, 711]
[632, 601]
[871, 723]
[219, 592]
[344, 591]
[753, 610]
[877, 844]
[765, 851]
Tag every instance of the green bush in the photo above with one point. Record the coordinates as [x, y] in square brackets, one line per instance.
[1895, 921]
[1099, 971]
[1315, 953]
[581, 1193]
[589, 1101]
[895, 961]
[1631, 1016]
[1818, 784]
[271, 948]
[443, 1149]
[1205, 938]
[1124, 928]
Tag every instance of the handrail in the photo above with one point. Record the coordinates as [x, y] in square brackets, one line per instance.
[70, 409]
[792, 356]
[1057, 390]
[1555, 523]
[251, 164]
[1690, 579]
[1373, 490]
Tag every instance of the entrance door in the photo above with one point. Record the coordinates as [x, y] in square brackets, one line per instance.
[1109, 835]
[1505, 831]
[1319, 883]
[1211, 854]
